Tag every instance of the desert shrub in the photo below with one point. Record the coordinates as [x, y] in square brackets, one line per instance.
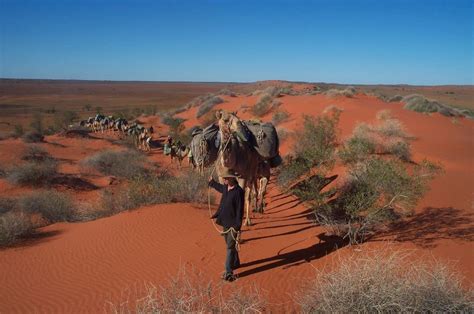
[36, 153]
[396, 98]
[52, 205]
[37, 123]
[386, 282]
[283, 134]
[391, 128]
[272, 91]
[226, 92]
[263, 105]
[32, 137]
[33, 173]
[7, 204]
[63, 119]
[357, 148]
[399, 148]
[176, 125]
[383, 115]
[18, 131]
[188, 292]
[291, 170]
[376, 192]
[13, 226]
[125, 164]
[280, 116]
[318, 139]
[207, 105]
[347, 92]
[188, 187]
[208, 118]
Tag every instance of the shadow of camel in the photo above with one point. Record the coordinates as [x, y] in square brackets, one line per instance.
[431, 225]
[296, 257]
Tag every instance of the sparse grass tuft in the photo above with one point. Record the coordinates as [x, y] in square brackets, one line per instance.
[347, 92]
[187, 292]
[386, 282]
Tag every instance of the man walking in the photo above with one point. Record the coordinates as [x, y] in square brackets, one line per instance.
[229, 216]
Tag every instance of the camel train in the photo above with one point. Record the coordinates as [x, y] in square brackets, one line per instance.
[246, 148]
[141, 135]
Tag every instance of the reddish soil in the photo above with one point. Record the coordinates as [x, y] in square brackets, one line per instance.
[81, 266]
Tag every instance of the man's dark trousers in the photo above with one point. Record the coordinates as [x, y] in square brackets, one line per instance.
[232, 261]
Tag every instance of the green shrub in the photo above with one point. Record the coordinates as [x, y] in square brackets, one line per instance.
[176, 125]
[401, 149]
[386, 282]
[396, 98]
[33, 173]
[318, 140]
[357, 148]
[63, 119]
[226, 92]
[291, 170]
[208, 105]
[13, 226]
[52, 205]
[280, 116]
[125, 164]
[32, 137]
[377, 191]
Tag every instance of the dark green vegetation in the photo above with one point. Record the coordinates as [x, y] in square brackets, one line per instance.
[382, 184]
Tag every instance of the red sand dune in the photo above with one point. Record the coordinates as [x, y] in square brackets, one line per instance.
[80, 266]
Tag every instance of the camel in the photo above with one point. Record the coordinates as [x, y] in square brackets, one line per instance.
[236, 155]
[179, 152]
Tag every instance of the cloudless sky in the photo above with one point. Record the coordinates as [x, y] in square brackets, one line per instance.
[361, 41]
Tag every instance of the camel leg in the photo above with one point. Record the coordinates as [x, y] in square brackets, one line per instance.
[248, 193]
[263, 182]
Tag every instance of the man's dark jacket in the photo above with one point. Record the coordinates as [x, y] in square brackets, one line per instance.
[231, 209]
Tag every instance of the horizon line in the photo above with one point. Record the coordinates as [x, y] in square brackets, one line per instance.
[228, 82]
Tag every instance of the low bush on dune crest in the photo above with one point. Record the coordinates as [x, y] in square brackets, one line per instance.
[125, 164]
[52, 205]
[263, 105]
[187, 292]
[386, 282]
[347, 92]
[207, 105]
[7, 204]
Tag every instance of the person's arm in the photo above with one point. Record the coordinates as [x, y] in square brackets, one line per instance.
[239, 207]
[217, 186]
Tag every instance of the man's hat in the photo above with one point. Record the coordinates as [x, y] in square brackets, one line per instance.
[228, 174]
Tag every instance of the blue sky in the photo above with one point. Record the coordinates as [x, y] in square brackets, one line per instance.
[425, 42]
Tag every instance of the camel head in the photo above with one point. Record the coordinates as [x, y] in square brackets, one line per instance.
[231, 133]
